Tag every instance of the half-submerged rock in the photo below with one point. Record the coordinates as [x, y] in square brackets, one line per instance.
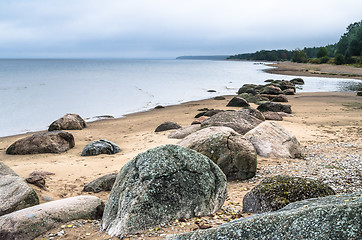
[332, 217]
[69, 121]
[272, 140]
[160, 185]
[102, 146]
[274, 193]
[15, 193]
[49, 142]
[232, 152]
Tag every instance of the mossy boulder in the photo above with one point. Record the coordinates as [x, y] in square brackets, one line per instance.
[276, 192]
[160, 185]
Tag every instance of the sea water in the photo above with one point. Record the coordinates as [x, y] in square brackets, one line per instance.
[35, 92]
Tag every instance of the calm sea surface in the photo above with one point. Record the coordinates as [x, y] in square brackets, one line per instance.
[33, 93]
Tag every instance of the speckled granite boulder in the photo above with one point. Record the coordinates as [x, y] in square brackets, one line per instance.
[241, 122]
[15, 193]
[160, 185]
[69, 121]
[232, 152]
[332, 217]
[49, 142]
[102, 146]
[28, 223]
[274, 193]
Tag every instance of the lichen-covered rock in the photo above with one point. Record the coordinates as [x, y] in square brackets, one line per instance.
[167, 126]
[185, 131]
[69, 121]
[15, 193]
[332, 217]
[104, 183]
[238, 102]
[160, 185]
[241, 122]
[272, 140]
[251, 98]
[274, 193]
[231, 151]
[49, 142]
[29, 223]
[252, 89]
[274, 107]
[102, 146]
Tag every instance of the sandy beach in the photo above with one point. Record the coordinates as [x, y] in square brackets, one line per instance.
[326, 124]
[313, 70]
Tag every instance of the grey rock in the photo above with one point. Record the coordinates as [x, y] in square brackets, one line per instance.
[185, 131]
[274, 107]
[251, 89]
[332, 217]
[238, 102]
[49, 142]
[241, 122]
[232, 152]
[289, 91]
[167, 126]
[102, 146]
[15, 193]
[160, 185]
[219, 98]
[274, 193]
[253, 112]
[272, 140]
[104, 183]
[256, 98]
[69, 121]
[272, 116]
[29, 223]
[280, 98]
[297, 81]
[272, 90]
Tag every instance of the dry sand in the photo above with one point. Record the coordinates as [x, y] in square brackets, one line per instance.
[319, 118]
[315, 70]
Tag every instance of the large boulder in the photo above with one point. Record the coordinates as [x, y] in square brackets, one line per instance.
[15, 193]
[272, 90]
[49, 142]
[274, 107]
[289, 91]
[160, 185]
[257, 99]
[185, 131]
[272, 116]
[167, 126]
[68, 122]
[28, 223]
[272, 140]
[332, 217]
[231, 151]
[102, 146]
[274, 193]
[238, 102]
[253, 112]
[280, 98]
[241, 122]
[297, 81]
[104, 183]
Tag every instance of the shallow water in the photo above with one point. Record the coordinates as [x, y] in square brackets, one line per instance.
[35, 92]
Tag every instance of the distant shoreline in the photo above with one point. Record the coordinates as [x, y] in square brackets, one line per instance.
[315, 70]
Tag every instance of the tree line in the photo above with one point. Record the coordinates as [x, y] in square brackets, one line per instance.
[348, 50]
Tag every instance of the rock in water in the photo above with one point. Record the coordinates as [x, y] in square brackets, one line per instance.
[241, 122]
[274, 193]
[272, 140]
[160, 185]
[167, 126]
[104, 183]
[332, 217]
[68, 122]
[49, 142]
[29, 223]
[232, 152]
[15, 193]
[274, 107]
[102, 146]
[238, 102]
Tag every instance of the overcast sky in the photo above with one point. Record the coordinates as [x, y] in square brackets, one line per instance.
[168, 28]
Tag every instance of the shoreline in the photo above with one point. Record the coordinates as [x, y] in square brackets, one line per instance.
[314, 70]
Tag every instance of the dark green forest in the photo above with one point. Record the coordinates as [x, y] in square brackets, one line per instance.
[348, 50]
